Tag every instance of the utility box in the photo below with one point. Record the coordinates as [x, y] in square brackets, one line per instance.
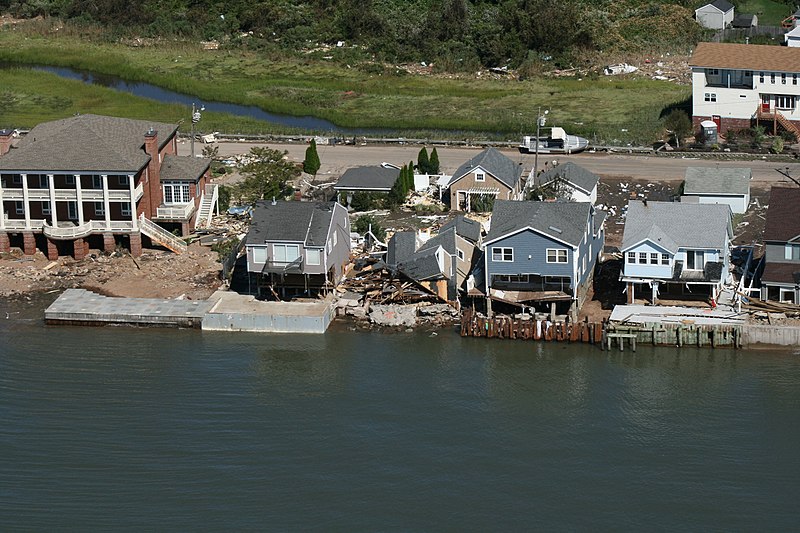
[708, 130]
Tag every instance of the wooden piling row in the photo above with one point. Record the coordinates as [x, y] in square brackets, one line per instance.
[504, 327]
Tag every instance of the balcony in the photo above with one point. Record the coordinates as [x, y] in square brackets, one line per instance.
[71, 195]
[711, 273]
[18, 224]
[69, 230]
[283, 267]
[175, 212]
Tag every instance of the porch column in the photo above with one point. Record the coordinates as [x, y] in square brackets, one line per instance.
[132, 189]
[630, 293]
[25, 207]
[79, 250]
[5, 242]
[79, 196]
[106, 202]
[52, 250]
[469, 203]
[2, 211]
[654, 287]
[136, 244]
[52, 187]
[28, 243]
[109, 243]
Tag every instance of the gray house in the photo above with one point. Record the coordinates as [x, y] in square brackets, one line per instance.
[369, 179]
[730, 186]
[441, 263]
[716, 15]
[781, 278]
[488, 176]
[539, 253]
[298, 247]
[569, 181]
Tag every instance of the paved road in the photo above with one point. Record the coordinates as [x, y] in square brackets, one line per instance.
[336, 159]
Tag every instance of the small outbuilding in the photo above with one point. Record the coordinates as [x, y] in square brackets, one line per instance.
[792, 37]
[369, 179]
[729, 186]
[716, 15]
[745, 21]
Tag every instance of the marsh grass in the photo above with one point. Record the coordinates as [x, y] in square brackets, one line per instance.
[605, 110]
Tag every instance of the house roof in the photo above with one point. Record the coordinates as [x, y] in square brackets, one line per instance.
[576, 175]
[445, 238]
[746, 57]
[722, 5]
[306, 222]
[707, 180]
[783, 222]
[492, 161]
[401, 247]
[743, 21]
[424, 265]
[86, 143]
[376, 178]
[176, 167]
[788, 273]
[465, 227]
[674, 225]
[563, 221]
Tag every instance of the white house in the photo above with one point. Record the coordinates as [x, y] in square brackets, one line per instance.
[736, 85]
[729, 186]
[568, 180]
[716, 15]
[792, 38]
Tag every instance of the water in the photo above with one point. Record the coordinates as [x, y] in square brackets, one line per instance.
[151, 429]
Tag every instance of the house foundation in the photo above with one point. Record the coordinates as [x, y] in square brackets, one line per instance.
[28, 243]
[52, 250]
[136, 244]
[80, 249]
[5, 243]
[109, 242]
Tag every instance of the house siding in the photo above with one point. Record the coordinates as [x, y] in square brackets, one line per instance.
[635, 270]
[468, 181]
[776, 253]
[596, 244]
[737, 203]
[528, 243]
[710, 17]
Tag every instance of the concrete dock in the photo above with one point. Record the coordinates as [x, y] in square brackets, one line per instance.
[223, 311]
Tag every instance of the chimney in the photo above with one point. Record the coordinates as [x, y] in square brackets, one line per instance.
[5, 141]
[153, 185]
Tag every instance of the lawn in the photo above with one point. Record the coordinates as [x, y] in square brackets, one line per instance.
[769, 13]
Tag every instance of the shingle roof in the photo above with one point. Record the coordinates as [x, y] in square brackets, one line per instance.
[706, 180]
[742, 21]
[674, 225]
[759, 57]
[465, 227]
[495, 163]
[564, 221]
[424, 265]
[401, 247]
[85, 143]
[446, 238]
[783, 221]
[374, 177]
[176, 167]
[576, 175]
[305, 222]
[722, 5]
[781, 273]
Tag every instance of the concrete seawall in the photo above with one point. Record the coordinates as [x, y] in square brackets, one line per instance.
[771, 335]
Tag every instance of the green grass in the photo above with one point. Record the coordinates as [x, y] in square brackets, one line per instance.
[769, 13]
[600, 108]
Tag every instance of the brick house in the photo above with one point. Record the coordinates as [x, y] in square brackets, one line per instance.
[489, 174]
[93, 181]
[739, 85]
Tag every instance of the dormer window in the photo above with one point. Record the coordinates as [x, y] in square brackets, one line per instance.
[480, 176]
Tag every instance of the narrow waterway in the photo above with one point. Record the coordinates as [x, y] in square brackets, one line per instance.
[148, 429]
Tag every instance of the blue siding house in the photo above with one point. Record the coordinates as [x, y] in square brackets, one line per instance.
[678, 248]
[542, 253]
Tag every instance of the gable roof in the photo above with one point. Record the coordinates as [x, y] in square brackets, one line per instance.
[707, 180]
[743, 21]
[176, 167]
[575, 175]
[86, 143]
[722, 5]
[375, 177]
[423, 265]
[305, 222]
[493, 162]
[783, 222]
[562, 221]
[465, 227]
[674, 225]
[746, 57]
[401, 247]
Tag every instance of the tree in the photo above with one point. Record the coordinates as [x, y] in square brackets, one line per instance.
[679, 125]
[423, 164]
[433, 162]
[363, 224]
[266, 175]
[311, 163]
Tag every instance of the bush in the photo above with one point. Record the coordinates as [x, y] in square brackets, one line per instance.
[363, 224]
[777, 145]
[365, 201]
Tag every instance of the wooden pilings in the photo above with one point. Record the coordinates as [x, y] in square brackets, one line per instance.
[504, 327]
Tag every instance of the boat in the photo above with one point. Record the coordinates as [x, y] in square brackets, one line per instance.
[556, 142]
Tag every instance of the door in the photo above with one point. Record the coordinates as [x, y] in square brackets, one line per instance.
[718, 121]
[765, 103]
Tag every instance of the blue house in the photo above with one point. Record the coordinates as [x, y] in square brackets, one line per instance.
[540, 253]
[676, 248]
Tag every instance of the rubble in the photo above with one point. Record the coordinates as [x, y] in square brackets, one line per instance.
[393, 315]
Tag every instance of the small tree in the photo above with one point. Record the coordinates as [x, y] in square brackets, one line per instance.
[410, 177]
[678, 123]
[423, 164]
[433, 162]
[266, 175]
[363, 224]
[311, 163]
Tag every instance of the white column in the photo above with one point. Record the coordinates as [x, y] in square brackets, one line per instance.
[79, 196]
[52, 187]
[2, 211]
[133, 200]
[25, 207]
[106, 203]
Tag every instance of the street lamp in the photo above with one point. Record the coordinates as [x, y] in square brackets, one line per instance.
[541, 118]
[195, 120]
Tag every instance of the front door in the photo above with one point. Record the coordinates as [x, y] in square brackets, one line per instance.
[765, 98]
[718, 121]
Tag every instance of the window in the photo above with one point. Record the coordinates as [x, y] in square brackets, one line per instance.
[794, 79]
[330, 246]
[784, 101]
[783, 78]
[480, 176]
[176, 193]
[664, 259]
[69, 180]
[653, 258]
[97, 182]
[46, 208]
[710, 97]
[44, 182]
[556, 255]
[334, 238]
[792, 252]
[18, 208]
[122, 180]
[772, 77]
[695, 260]
[503, 255]
[125, 209]
[748, 73]
[643, 258]
[760, 77]
[17, 179]
[99, 208]
[285, 253]
[632, 258]
[72, 210]
[713, 72]
[259, 254]
[313, 256]
[460, 254]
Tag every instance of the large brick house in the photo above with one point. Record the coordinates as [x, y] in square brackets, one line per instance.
[93, 181]
[739, 85]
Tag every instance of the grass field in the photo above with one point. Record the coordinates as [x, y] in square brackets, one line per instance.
[769, 13]
[604, 109]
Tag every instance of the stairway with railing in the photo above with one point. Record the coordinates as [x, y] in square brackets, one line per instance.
[777, 117]
[208, 202]
[161, 236]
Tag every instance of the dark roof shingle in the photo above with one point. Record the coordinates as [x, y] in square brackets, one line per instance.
[305, 222]
[495, 163]
[783, 221]
[759, 57]
[574, 174]
[378, 178]
[176, 167]
[563, 221]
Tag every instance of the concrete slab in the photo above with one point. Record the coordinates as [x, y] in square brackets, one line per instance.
[649, 314]
[237, 312]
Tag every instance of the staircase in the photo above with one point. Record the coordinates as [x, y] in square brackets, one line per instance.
[208, 201]
[777, 116]
[161, 236]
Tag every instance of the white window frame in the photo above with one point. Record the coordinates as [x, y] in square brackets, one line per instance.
[480, 176]
[16, 179]
[791, 252]
[178, 192]
[69, 179]
[122, 180]
[695, 255]
[99, 209]
[311, 252]
[279, 250]
[710, 97]
[784, 291]
[259, 254]
[125, 209]
[46, 208]
[72, 210]
[642, 258]
[556, 256]
[665, 259]
[18, 208]
[631, 258]
[772, 77]
[460, 254]
[784, 101]
[44, 181]
[334, 238]
[97, 182]
[654, 258]
[502, 254]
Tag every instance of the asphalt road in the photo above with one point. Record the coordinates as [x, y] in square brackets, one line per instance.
[336, 159]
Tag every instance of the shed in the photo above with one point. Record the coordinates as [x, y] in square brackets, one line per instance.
[792, 37]
[716, 15]
[730, 186]
[708, 130]
[745, 20]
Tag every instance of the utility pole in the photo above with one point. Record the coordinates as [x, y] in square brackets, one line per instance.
[540, 121]
[195, 120]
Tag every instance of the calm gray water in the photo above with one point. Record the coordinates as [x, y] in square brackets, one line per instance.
[146, 429]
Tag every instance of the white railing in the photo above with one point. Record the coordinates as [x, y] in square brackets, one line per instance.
[138, 192]
[207, 202]
[161, 236]
[176, 212]
[19, 224]
[93, 226]
[87, 195]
